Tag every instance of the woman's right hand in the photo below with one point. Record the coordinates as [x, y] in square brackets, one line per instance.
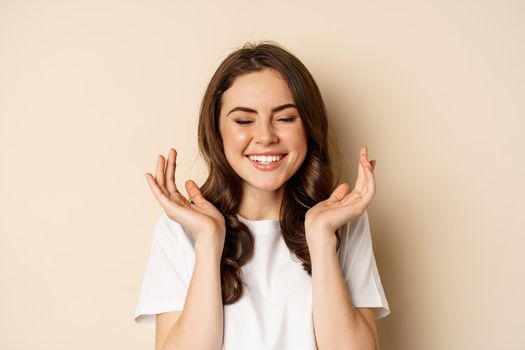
[204, 221]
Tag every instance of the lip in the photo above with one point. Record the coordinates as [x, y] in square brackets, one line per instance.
[270, 166]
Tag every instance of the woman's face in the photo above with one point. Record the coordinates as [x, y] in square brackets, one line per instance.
[263, 135]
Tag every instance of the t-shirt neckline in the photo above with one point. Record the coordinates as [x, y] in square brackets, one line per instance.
[261, 225]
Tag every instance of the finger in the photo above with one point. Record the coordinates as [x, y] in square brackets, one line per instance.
[339, 193]
[362, 155]
[363, 151]
[360, 183]
[366, 165]
[157, 192]
[159, 176]
[170, 171]
[373, 163]
[194, 192]
[369, 193]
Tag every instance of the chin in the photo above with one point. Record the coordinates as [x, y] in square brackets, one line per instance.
[267, 186]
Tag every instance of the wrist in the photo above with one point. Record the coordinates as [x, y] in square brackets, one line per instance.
[321, 241]
[211, 246]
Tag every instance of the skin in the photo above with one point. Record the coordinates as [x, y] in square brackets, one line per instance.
[261, 131]
[343, 205]
[337, 324]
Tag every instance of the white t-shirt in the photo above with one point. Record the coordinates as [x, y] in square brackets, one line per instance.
[275, 311]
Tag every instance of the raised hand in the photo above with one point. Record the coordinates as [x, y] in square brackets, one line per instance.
[341, 206]
[196, 214]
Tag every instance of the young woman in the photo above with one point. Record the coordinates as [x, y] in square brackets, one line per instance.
[269, 253]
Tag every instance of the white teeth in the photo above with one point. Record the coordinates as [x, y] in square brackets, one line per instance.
[265, 159]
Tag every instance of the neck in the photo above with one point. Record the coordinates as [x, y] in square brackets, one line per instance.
[261, 205]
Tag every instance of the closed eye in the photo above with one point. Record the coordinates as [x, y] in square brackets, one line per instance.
[288, 119]
[242, 122]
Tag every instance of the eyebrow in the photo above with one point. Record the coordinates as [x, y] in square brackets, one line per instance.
[249, 110]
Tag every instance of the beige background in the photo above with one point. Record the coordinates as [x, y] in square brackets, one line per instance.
[92, 91]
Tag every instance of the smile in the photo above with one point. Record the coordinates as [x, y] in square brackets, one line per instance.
[266, 159]
[266, 162]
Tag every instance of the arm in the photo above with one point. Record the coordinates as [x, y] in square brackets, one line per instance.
[337, 323]
[200, 325]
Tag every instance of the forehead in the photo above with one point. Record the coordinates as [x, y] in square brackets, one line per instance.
[262, 89]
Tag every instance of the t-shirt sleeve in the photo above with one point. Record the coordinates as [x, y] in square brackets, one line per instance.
[168, 272]
[359, 266]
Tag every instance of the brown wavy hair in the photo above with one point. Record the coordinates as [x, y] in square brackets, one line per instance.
[313, 181]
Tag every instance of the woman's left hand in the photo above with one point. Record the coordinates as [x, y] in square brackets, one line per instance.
[327, 216]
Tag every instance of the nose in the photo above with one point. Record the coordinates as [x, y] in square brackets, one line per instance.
[265, 134]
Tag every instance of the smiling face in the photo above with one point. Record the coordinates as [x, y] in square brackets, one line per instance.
[263, 136]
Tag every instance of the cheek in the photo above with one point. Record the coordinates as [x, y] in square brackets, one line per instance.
[297, 140]
[235, 140]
